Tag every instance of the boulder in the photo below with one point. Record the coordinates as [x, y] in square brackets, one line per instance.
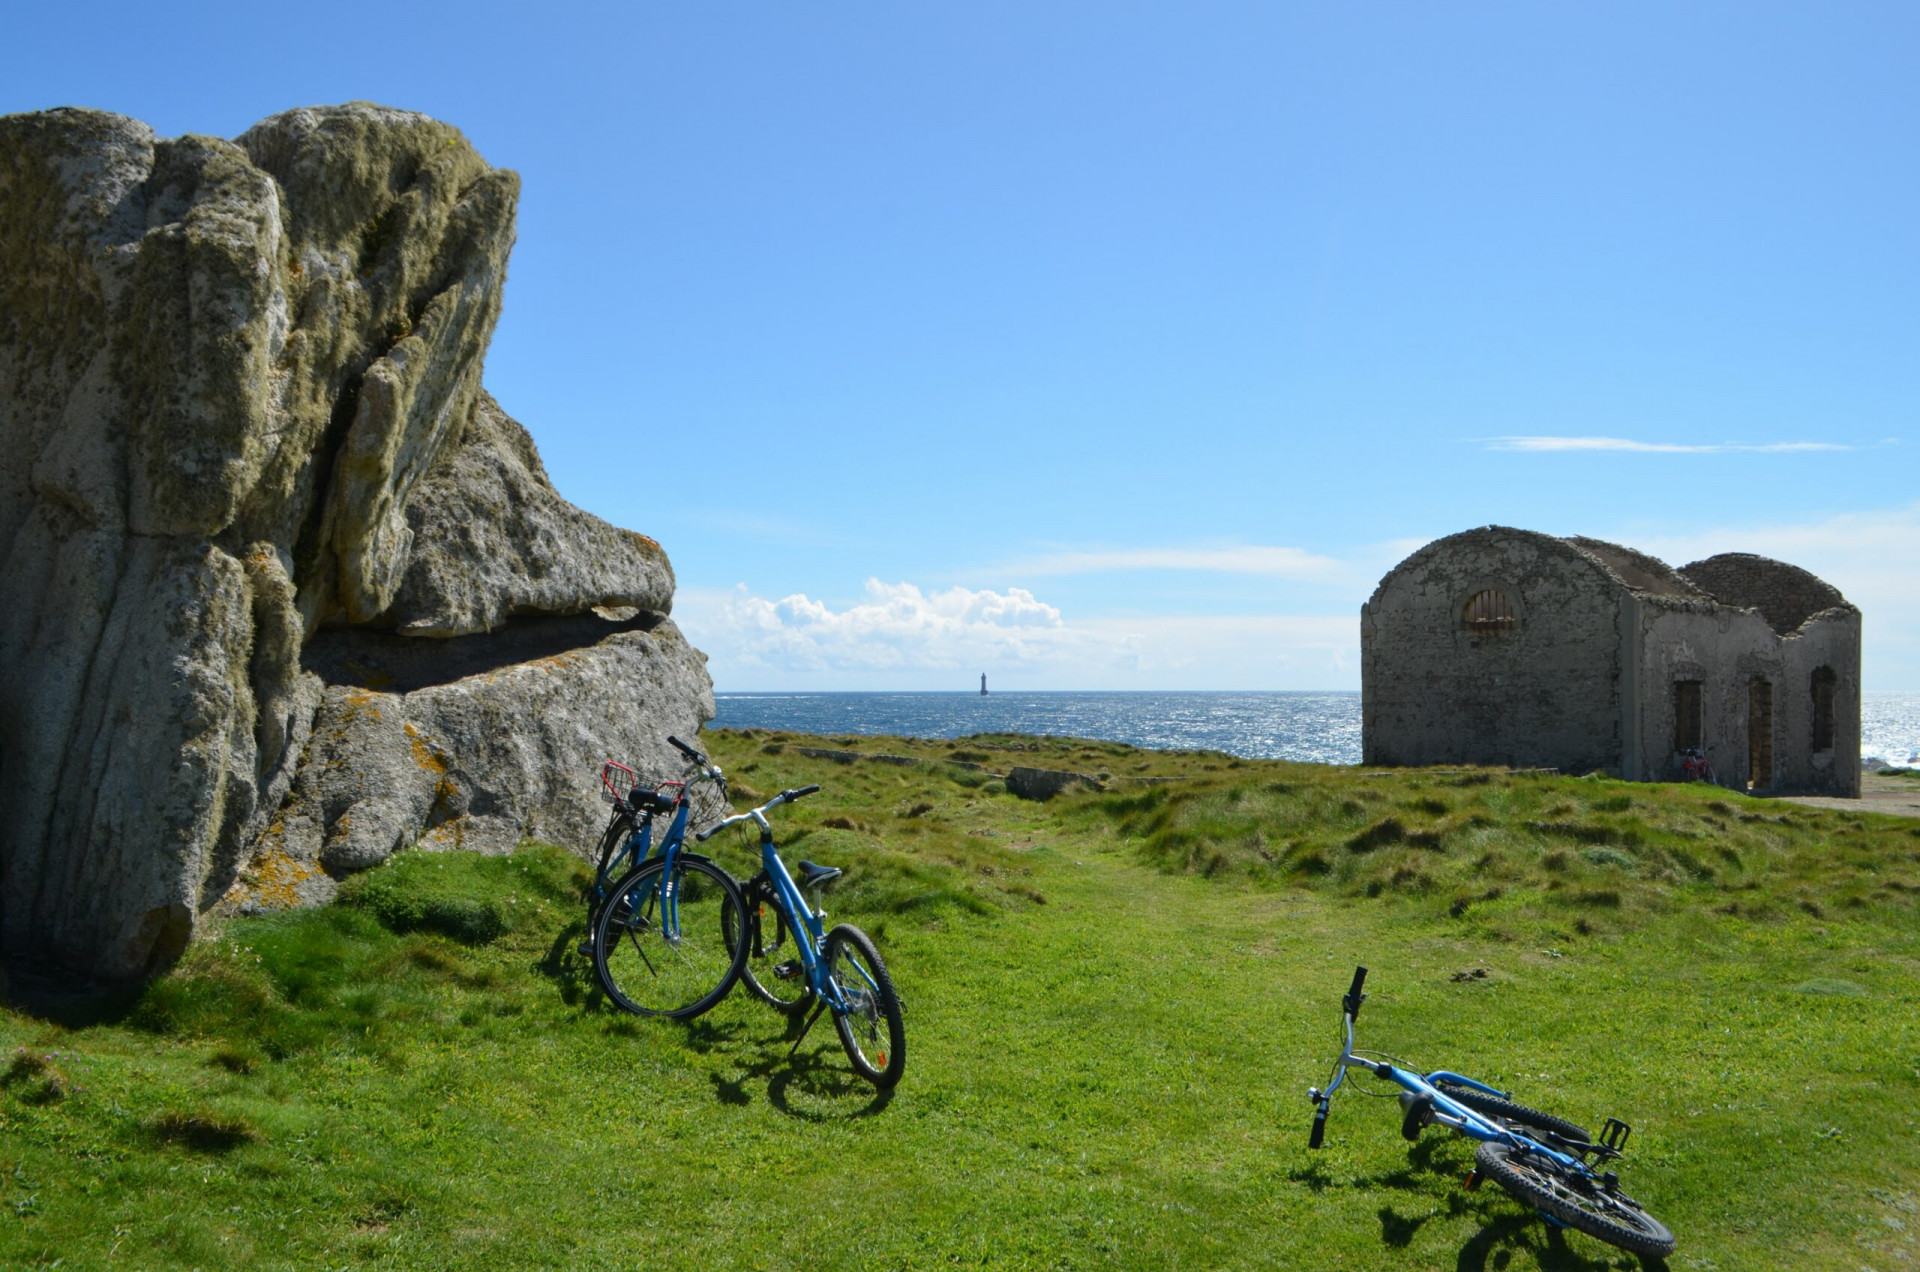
[241, 409]
[492, 539]
[1044, 784]
[411, 749]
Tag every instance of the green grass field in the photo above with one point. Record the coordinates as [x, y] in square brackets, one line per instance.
[1115, 1002]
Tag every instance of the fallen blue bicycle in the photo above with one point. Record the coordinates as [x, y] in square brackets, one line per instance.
[1544, 1161]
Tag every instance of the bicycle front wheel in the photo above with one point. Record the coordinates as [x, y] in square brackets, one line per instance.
[1574, 1198]
[1516, 1117]
[663, 944]
[870, 1027]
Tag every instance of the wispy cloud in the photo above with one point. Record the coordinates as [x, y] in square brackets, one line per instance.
[1627, 444]
[1282, 562]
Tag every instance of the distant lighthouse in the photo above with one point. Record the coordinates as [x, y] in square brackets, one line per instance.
[983, 684]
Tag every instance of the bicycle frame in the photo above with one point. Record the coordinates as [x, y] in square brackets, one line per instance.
[1443, 1111]
[639, 847]
[799, 916]
[793, 906]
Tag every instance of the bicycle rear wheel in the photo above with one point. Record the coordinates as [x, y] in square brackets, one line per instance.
[870, 1028]
[1574, 1198]
[663, 945]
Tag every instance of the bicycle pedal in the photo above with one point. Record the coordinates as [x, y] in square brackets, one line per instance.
[585, 950]
[788, 970]
[1614, 1136]
[1472, 1181]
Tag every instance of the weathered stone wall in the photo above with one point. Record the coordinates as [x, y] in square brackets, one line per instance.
[1727, 650]
[1542, 694]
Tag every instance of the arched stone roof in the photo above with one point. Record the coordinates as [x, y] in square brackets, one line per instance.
[1786, 595]
[1620, 566]
[1639, 571]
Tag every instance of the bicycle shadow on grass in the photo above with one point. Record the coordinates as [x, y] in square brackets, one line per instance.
[813, 1084]
[1509, 1235]
[1504, 1236]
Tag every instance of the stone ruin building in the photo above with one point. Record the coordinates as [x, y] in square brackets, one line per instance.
[1509, 647]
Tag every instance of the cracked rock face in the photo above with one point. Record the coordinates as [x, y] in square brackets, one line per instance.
[242, 416]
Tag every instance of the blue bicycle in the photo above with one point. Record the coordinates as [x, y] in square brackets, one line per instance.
[839, 970]
[1544, 1161]
[666, 938]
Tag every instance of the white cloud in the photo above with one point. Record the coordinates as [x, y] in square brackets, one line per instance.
[899, 636]
[1282, 562]
[1872, 557]
[1557, 444]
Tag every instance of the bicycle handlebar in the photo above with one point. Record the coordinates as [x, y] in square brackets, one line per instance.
[685, 750]
[757, 814]
[1354, 997]
[1319, 1133]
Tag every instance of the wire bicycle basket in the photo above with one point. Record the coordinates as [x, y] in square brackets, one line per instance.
[707, 801]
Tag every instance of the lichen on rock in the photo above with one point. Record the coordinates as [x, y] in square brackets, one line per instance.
[240, 396]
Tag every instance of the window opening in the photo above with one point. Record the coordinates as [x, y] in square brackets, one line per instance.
[1759, 735]
[1823, 686]
[1687, 732]
[1489, 611]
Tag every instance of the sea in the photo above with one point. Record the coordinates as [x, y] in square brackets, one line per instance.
[1321, 728]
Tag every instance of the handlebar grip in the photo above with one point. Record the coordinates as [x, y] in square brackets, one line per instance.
[1319, 1132]
[706, 834]
[1354, 997]
[790, 796]
[685, 750]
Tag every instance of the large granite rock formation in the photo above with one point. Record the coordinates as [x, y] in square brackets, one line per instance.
[284, 589]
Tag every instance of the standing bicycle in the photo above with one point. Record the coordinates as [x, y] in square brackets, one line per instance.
[665, 938]
[839, 970]
[1544, 1161]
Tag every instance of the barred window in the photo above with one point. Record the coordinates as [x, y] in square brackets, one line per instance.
[1489, 611]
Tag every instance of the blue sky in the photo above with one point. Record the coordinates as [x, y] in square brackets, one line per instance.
[1126, 345]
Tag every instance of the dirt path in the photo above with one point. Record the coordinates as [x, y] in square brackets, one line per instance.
[1879, 793]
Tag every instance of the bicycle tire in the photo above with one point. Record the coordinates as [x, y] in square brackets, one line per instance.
[646, 972]
[767, 950]
[615, 838]
[874, 1006]
[1574, 1199]
[1516, 1116]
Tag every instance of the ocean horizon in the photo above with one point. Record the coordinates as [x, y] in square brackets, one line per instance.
[1314, 726]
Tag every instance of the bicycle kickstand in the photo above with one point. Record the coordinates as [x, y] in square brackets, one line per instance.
[807, 1028]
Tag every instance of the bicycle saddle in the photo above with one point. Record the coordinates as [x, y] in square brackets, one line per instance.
[812, 876]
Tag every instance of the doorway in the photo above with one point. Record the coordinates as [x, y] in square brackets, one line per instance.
[1759, 735]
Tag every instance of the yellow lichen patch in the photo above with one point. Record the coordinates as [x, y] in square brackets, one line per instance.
[635, 534]
[423, 755]
[359, 700]
[271, 880]
[447, 835]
